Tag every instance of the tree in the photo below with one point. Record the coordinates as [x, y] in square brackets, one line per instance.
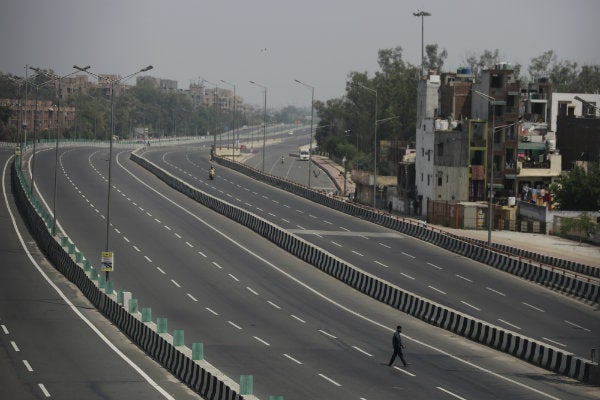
[434, 60]
[349, 122]
[579, 190]
[587, 80]
[582, 224]
[486, 60]
[540, 66]
[563, 76]
[566, 76]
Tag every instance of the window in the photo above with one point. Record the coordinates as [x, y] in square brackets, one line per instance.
[511, 103]
[428, 179]
[496, 81]
[563, 108]
[440, 176]
[511, 134]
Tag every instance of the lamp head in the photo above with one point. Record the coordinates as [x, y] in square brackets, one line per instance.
[148, 68]
[82, 69]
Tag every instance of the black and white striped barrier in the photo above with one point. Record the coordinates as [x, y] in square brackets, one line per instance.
[556, 280]
[525, 348]
[163, 351]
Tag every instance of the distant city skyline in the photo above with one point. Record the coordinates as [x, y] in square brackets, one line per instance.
[274, 42]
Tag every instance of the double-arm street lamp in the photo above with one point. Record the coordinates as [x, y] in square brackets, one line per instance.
[233, 120]
[373, 91]
[492, 103]
[112, 83]
[54, 78]
[312, 110]
[264, 123]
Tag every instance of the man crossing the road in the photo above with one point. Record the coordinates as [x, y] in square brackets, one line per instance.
[398, 346]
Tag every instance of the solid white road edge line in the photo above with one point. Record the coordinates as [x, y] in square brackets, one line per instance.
[68, 302]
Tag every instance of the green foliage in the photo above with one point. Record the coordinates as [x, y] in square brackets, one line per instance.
[349, 122]
[566, 76]
[582, 225]
[478, 62]
[540, 66]
[579, 189]
[433, 60]
[290, 114]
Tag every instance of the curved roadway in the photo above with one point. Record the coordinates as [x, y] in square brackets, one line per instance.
[53, 343]
[257, 309]
[460, 283]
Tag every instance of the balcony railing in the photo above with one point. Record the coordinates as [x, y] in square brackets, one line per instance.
[536, 164]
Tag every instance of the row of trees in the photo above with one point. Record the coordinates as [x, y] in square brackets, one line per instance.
[141, 106]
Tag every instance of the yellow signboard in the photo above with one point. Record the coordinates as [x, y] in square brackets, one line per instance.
[107, 260]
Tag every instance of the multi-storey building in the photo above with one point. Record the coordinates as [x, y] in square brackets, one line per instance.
[577, 119]
[500, 106]
[73, 85]
[43, 117]
[167, 85]
[476, 134]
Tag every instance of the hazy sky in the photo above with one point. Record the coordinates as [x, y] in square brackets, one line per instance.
[317, 42]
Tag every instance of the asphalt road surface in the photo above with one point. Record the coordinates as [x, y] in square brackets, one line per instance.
[53, 343]
[444, 277]
[260, 311]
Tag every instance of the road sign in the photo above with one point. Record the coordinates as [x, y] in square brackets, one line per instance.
[107, 259]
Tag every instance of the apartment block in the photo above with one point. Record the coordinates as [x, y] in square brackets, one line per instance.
[42, 115]
[482, 137]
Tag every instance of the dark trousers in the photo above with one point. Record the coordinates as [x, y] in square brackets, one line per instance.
[397, 352]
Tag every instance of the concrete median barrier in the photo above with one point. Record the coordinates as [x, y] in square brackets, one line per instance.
[479, 331]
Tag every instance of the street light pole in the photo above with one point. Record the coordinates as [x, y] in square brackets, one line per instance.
[375, 145]
[264, 123]
[112, 133]
[492, 102]
[312, 110]
[18, 82]
[58, 94]
[215, 102]
[422, 14]
[24, 120]
[35, 128]
[233, 122]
